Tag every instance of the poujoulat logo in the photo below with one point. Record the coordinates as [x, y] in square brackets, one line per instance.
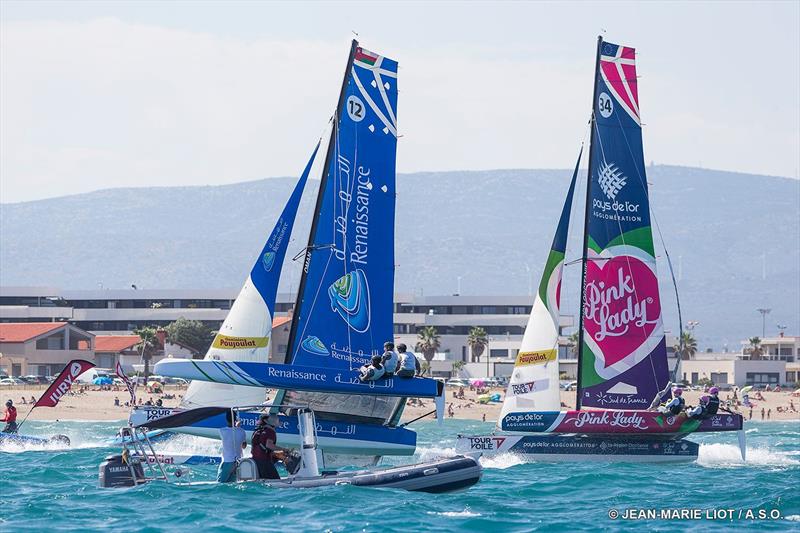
[617, 419]
[600, 298]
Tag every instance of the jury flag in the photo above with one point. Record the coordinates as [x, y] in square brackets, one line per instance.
[63, 382]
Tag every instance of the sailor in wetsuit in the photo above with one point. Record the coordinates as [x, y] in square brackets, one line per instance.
[10, 418]
[372, 371]
[674, 406]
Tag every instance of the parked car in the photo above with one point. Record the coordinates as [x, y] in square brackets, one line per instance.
[572, 385]
[456, 383]
[11, 382]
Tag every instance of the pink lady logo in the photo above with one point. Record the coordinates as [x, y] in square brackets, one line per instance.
[621, 307]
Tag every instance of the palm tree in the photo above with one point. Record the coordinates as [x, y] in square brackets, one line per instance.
[428, 343]
[457, 366]
[147, 346]
[478, 341]
[755, 348]
[686, 347]
[572, 342]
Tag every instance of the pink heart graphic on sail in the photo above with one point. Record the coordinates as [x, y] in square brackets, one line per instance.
[621, 306]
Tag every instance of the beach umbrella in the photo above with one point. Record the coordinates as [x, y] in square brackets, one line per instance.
[102, 381]
[745, 390]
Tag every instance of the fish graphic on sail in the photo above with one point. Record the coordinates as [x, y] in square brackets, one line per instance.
[246, 331]
[350, 299]
[534, 385]
[623, 357]
[344, 309]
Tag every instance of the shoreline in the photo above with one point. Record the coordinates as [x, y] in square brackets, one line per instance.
[98, 405]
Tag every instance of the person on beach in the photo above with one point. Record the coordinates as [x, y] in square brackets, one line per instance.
[751, 413]
[234, 440]
[33, 400]
[762, 413]
[372, 371]
[391, 361]
[263, 445]
[769, 413]
[10, 418]
[409, 364]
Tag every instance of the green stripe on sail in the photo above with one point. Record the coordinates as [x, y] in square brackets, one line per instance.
[201, 371]
[589, 376]
[553, 260]
[593, 245]
[639, 237]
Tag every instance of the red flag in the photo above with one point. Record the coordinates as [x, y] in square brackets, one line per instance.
[63, 382]
[128, 383]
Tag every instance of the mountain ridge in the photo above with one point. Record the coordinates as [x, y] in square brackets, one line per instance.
[491, 228]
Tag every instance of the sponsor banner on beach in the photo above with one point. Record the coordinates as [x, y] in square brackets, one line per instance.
[63, 383]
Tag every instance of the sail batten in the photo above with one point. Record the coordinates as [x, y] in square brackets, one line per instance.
[622, 361]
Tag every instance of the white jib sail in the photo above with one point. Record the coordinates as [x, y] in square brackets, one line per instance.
[244, 336]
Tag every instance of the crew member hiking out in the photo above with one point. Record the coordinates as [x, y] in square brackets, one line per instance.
[713, 402]
[10, 418]
[372, 371]
[409, 364]
[263, 445]
[391, 361]
[674, 406]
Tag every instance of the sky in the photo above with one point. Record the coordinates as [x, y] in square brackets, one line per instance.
[97, 95]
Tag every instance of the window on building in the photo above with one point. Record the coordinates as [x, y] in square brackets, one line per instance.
[498, 352]
[762, 378]
[489, 310]
[719, 378]
[791, 377]
[53, 342]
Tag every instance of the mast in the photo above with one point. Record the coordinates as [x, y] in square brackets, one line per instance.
[290, 347]
[584, 261]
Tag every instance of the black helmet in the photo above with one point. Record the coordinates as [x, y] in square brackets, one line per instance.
[9, 403]
[376, 360]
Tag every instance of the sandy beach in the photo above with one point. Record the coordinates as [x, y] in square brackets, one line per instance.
[96, 404]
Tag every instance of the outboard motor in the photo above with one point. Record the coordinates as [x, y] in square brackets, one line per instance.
[114, 472]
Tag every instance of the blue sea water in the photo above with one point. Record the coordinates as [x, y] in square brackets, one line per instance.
[57, 489]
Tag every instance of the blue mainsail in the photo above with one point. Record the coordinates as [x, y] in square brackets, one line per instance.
[345, 303]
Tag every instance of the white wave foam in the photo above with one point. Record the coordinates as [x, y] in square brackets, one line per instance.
[466, 513]
[501, 461]
[430, 453]
[728, 455]
[793, 518]
[190, 445]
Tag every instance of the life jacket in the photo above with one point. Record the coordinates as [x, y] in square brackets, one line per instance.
[677, 408]
[712, 407]
[391, 362]
[11, 414]
[372, 373]
[408, 361]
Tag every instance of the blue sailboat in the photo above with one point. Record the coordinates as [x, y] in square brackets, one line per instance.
[344, 308]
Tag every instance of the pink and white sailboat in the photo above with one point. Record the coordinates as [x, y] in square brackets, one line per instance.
[622, 361]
